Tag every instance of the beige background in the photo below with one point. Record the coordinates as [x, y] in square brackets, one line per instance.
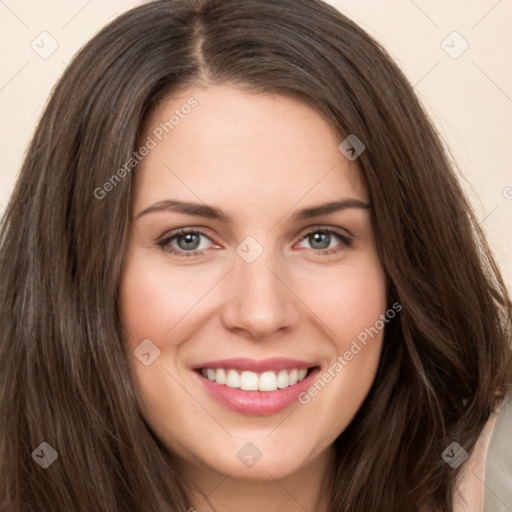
[469, 97]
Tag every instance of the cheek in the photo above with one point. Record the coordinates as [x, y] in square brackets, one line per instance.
[360, 306]
[153, 299]
[348, 300]
[151, 304]
[351, 305]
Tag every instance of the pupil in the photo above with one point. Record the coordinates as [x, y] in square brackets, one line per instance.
[191, 241]
[322, 238]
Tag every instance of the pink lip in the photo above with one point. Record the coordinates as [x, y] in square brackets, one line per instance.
[253, 365]
[257, 403]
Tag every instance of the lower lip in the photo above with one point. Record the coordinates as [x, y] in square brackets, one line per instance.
[257, 403]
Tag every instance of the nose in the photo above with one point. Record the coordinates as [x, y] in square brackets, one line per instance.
[259, 298]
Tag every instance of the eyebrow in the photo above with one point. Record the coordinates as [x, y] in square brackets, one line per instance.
[211, 212]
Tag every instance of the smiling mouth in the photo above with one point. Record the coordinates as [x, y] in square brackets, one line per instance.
[256, 387]
[253, 381]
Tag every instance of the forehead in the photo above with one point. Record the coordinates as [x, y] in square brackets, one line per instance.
[242, 148]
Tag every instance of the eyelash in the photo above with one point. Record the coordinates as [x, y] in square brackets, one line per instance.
[165, 243]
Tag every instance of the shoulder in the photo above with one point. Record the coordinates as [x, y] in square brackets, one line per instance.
[486, 482]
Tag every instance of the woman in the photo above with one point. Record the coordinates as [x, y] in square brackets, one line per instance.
[238, 272]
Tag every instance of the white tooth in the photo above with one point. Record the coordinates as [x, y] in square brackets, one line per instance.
[233, 379]
[283, 381]
[302, 373]
[220, 376]
[249, 381]
[268, 381]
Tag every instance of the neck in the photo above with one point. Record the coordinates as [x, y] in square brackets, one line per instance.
[299, 491]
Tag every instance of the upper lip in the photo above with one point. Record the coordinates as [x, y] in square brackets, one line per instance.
[254, 365]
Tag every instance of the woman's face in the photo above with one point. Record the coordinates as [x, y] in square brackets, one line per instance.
[222, 323]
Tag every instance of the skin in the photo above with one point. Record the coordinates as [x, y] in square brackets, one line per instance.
[259, 158]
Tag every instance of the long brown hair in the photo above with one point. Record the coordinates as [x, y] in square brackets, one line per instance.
[64, 376]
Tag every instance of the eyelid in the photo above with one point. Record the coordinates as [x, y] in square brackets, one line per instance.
[326, 227]
[346, 239]
[165, 240]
